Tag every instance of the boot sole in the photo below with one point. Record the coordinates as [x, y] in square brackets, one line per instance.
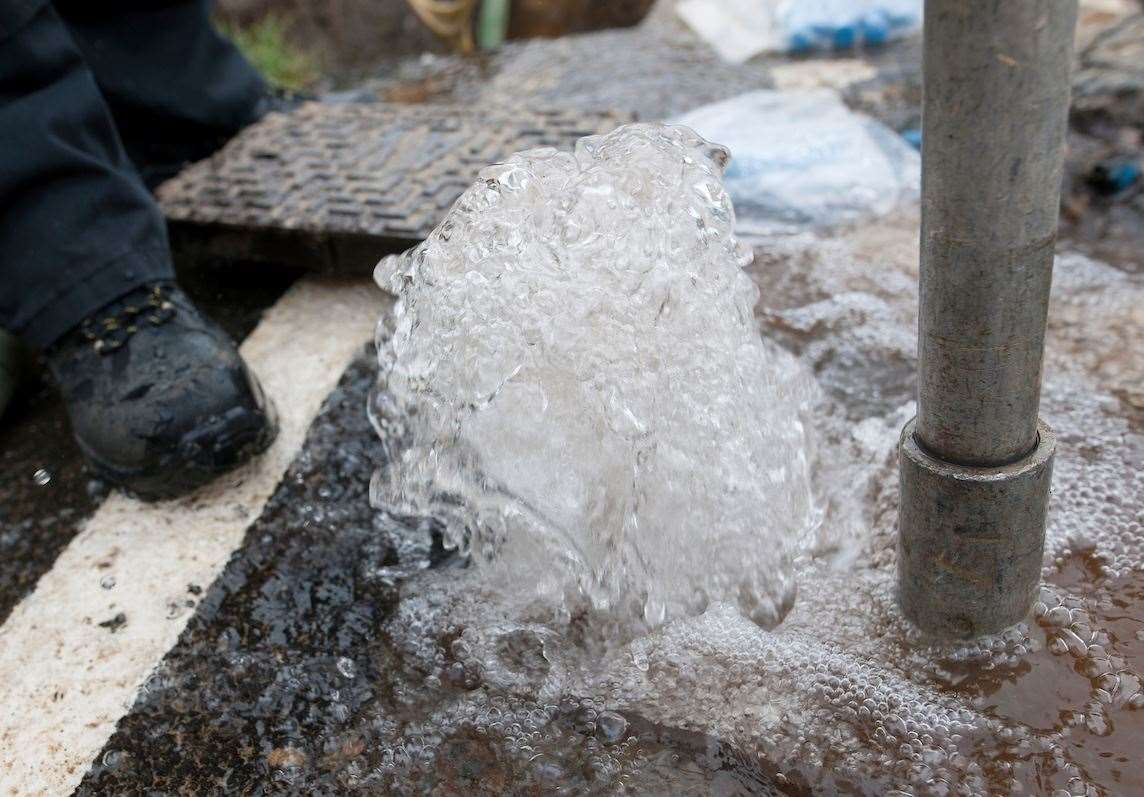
[234, 441]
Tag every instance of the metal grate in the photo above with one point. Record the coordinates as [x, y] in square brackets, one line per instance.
[334, 187]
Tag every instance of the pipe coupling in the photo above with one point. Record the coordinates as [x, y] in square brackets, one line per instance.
[970, 539]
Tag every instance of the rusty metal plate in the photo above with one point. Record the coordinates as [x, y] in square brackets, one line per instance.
[334, 187]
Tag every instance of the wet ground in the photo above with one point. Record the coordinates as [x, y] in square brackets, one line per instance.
[298, 672]
[284, 680]
[45, 495]
[268, 684]
[335, 653]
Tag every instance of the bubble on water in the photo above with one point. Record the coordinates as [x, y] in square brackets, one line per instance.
[346, 667]
[576, 386]
[844, 695]
[1099, 489]
[41, 477]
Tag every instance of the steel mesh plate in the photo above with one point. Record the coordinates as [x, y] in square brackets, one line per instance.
[334, 187]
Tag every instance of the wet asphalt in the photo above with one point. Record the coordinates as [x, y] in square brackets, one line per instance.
[272, 686]
[284, 680]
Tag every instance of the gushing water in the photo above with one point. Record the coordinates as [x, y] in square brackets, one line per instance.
[842, 696]
[576, 386]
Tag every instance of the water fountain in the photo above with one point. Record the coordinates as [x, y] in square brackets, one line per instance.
[570, 344]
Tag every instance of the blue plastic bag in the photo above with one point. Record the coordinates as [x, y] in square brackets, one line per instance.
[844, 24]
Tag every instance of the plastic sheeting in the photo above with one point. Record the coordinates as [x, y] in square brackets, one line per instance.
[802, 159]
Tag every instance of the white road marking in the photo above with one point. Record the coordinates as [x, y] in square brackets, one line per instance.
[64, 680]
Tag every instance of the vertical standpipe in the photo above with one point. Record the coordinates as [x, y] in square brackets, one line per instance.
[976, 462]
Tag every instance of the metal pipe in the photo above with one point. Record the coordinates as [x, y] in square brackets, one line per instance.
[975, 463]
[996, 107]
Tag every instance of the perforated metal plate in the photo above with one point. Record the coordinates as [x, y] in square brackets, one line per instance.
[334, 187]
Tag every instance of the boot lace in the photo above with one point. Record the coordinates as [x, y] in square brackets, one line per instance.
[110, 332]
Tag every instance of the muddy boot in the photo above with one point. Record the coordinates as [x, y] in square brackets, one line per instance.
[159, 399]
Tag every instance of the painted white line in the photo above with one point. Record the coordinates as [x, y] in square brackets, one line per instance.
[65, 680]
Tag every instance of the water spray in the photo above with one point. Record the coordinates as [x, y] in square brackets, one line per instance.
[976, 462]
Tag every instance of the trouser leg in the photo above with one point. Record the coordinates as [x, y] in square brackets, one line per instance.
[176, 88]
[77, 226]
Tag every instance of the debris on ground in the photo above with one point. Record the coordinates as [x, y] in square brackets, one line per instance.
[1108, 84]
[339, 652]
[1103, 196]
[804, 158]
[741, 29]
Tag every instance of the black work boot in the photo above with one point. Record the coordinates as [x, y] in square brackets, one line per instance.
[159, 399]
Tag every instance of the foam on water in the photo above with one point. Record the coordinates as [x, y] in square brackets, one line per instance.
[843, 696]
[577, 387]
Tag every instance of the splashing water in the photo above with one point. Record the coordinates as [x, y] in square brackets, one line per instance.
[576, 386]
[843, 696]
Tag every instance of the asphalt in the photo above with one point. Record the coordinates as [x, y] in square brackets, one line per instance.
[248, 692]
[284, 681]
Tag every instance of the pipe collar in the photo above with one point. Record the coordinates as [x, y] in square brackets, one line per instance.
[970, 539]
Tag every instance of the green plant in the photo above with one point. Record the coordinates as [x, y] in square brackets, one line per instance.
[266, 44]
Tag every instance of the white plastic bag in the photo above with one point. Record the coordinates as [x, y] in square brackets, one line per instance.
[803, 159]
[736, 29]
[741, 29]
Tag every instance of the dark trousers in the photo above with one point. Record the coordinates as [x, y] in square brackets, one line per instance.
[98, 98]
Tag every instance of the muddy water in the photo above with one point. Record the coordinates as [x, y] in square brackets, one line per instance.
[843, 696]
[1060, 695]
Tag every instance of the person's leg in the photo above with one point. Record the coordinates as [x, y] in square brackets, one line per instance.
[158, 397]
[77, 227]
[176, 88]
